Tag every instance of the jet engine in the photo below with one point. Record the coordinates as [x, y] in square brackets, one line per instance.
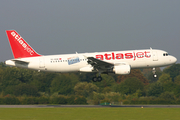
[122, 69]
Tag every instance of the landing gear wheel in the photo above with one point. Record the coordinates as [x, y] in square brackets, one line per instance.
[155, 76]
[154, 72]
[94, 79]
[99, 78]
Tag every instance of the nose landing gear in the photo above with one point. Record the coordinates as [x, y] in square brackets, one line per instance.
[154, 72]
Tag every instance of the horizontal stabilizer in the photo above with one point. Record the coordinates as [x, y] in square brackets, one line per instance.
[20, 61]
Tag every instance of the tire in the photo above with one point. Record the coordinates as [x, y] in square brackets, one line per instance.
[155, 76]
[94, 79]
[99, 78]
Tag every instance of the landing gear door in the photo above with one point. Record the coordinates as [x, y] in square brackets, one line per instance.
[155, 56]
[41, 63]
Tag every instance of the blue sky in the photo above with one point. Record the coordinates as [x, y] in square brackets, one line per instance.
[67, 26]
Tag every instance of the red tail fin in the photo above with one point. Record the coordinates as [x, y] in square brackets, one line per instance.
[19, 46]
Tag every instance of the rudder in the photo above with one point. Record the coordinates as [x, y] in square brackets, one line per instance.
[19, 46]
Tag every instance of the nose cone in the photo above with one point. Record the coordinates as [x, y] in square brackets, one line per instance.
[173, 59]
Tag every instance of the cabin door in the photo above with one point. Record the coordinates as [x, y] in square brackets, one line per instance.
[41, 63]
[155, 56]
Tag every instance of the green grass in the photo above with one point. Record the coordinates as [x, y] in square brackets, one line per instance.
[90, 113]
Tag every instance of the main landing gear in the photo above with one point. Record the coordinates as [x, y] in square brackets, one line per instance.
[99, 78]
[154, 72]
[95, 79]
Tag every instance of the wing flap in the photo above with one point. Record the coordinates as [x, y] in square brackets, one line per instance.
[97, 61]
[99, 64]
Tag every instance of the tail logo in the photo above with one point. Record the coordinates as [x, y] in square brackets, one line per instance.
[22, 43]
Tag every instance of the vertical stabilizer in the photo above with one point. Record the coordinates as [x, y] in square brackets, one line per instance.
[19, 46]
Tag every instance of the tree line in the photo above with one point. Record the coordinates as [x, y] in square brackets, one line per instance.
[22, 86]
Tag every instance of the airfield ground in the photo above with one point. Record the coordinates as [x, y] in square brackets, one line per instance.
[90, 113]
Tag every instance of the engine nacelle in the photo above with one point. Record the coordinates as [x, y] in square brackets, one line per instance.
[122, 69]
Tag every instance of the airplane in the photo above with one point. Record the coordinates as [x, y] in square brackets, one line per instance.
[117, 62]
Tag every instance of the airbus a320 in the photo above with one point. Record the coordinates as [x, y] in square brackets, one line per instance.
[117, 62]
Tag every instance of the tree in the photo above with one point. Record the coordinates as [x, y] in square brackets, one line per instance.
[2, 65]
[177, 80]
[80, 100]
[169, 86]
[113, 96]
[85, 89]
[97, 97]
[64, 84]
[107, 90]
[10, 76]
[130, 86]
[173, 70]
[176, 91]
[134, 73]
[172, 87]
[167, 96]
[58, 100]
[107, 81]
[25, 89]
[165, 78]
[155, 89]
[42, 80]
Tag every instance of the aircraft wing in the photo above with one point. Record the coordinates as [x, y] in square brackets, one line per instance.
[99, 64]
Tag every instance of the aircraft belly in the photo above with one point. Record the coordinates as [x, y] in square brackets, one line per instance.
[138, 63]
[63, 67]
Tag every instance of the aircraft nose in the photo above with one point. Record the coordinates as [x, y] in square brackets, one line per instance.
[173, 59]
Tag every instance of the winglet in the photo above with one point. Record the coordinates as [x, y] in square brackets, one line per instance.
[19, 46]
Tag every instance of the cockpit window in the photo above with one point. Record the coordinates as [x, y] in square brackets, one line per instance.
[165, 54]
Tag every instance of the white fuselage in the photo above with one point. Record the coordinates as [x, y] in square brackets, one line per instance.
[74, 62]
